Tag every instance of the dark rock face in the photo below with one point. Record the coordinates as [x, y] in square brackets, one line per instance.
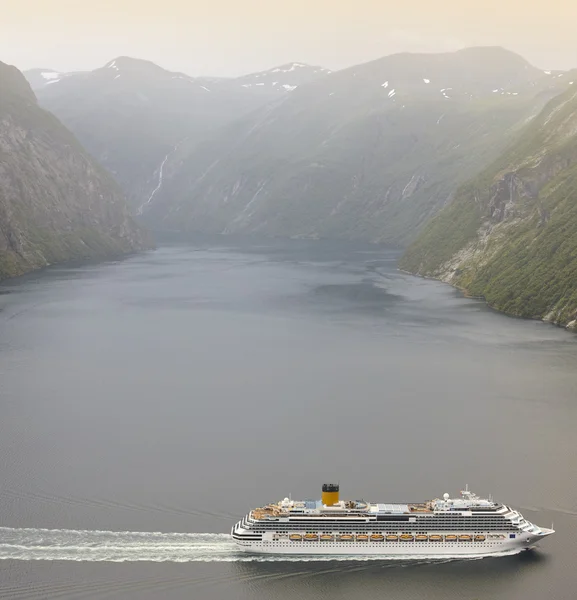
[56, 202]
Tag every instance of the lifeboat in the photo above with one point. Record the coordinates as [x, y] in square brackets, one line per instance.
[377, 537]
[325, 537]
[346, 537]
[421, 538]
[406, 537]
[465, 538]
[479, 538]
[310, 537]
[392, 538]
[295, 537]
[362, 537]
[435, 538]
[450, 538]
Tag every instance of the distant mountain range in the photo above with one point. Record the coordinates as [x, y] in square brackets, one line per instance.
[56, 202]
[130, 114]
[510, 235]
[369, 153]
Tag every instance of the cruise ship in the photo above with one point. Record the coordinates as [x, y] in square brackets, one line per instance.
[463, 526]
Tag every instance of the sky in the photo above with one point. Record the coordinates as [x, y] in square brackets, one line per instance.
[232, 37]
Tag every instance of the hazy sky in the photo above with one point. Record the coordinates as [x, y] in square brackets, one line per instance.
[231, 37]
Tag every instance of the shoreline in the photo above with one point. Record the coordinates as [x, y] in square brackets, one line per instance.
[571, 327]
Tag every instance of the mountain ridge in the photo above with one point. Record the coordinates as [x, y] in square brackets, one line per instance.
[369, 152]
[131, 113]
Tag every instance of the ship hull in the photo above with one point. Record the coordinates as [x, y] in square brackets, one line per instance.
[386, 549]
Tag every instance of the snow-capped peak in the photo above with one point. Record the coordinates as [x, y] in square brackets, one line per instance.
[284, 78]
[290, 67]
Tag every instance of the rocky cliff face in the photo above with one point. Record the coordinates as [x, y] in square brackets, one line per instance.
[56, 203]
[511, 234]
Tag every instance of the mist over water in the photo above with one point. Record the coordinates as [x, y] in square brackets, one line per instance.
[173, 391]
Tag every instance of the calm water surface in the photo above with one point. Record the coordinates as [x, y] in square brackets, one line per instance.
[167, 394]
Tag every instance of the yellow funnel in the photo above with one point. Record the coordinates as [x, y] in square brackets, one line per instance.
[330, 494]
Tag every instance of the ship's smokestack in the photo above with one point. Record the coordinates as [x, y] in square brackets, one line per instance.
[330, 494]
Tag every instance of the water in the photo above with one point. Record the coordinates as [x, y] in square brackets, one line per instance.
[148, 404]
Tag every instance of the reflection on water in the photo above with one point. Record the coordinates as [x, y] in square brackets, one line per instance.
[482, 578]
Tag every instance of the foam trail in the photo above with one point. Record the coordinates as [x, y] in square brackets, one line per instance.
[130, 546]
[115, 546]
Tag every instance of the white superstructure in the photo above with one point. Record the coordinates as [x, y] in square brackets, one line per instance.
[464, 526]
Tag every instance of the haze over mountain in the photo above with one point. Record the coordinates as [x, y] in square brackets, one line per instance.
[230, 38]
[370, 152]
[511, 233]
[130, 114]
[56, 202]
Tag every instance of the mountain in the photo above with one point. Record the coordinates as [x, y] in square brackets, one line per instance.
[56, 202]
[284, 78]
[131, 114]
[510, 235]
[370, 152]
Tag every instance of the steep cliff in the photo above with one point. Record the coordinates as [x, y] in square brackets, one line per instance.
[56, 203]
[510, 235]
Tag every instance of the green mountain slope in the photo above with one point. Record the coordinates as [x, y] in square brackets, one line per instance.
[510, 235]
[56, 203]
[370, 152]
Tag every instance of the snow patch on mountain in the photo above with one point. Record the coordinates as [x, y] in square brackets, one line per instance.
[292, 67]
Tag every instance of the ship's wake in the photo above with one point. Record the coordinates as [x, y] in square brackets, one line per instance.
[131, 546]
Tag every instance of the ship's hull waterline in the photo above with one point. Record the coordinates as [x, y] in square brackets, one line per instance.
[409, 550]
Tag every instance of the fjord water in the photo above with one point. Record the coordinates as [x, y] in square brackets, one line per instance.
[167, 394]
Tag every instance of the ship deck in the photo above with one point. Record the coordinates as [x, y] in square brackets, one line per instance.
[275, 511]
